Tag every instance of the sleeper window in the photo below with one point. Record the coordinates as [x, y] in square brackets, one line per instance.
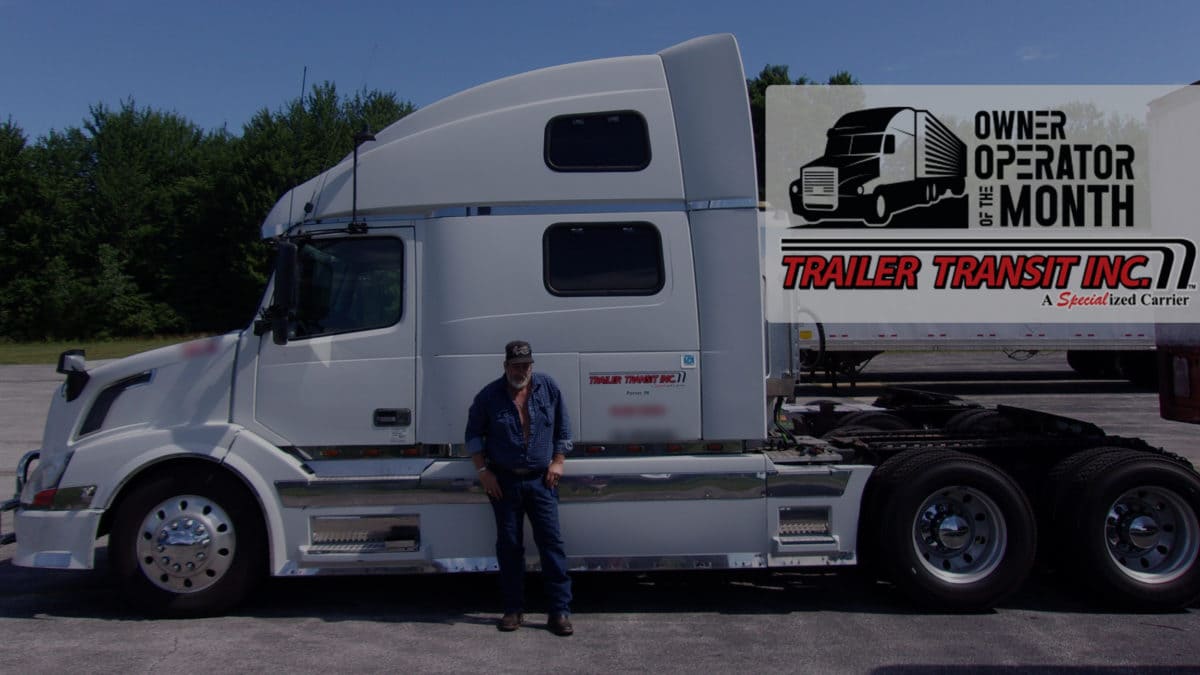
[609, 141]
[603, 259]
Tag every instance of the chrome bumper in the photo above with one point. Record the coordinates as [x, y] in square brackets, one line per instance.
[12, 504]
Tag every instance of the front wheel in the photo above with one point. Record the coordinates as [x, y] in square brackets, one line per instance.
[187, 545]
[879, 210]
[955, 532]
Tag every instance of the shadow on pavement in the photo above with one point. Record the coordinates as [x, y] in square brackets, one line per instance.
[473, 598]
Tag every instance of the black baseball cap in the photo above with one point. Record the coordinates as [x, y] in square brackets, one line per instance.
[518, 351]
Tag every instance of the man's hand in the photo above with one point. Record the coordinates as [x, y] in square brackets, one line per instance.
[554, 472]
[491, 486]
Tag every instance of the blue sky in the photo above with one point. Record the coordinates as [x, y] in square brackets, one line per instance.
[218, 62]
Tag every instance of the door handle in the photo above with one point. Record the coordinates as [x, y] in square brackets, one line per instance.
[392, 417]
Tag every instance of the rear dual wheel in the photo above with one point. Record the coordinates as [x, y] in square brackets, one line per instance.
[952, 530]
[1127, 524]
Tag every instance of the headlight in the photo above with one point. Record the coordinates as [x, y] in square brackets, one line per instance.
[46, 474]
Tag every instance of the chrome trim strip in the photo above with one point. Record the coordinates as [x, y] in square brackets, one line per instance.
[660, 487]
[556, 209]
[530, 209]
[345, 491]
[723, 561]
[338, 453]
[807, 540]
[809, 484]
[722, 204]
[597, 449]
[812, 560]
[415, 491]
[366, 565]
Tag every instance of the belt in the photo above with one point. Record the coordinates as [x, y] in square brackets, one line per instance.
[519, 473]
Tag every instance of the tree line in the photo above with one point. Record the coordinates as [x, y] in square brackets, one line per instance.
[139, 222]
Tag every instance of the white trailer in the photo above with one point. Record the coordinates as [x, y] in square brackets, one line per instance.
[1174, 145]
[605, 211]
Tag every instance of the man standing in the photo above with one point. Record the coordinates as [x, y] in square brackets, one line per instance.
[518, 435]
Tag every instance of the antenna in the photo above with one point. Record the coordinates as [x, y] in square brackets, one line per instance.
[292, 193]
[361, 137]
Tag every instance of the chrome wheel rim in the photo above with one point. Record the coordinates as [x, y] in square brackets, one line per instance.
[186, 544]
[1151, 534]
[959, 535]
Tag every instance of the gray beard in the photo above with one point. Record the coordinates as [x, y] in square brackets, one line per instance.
[518, 384]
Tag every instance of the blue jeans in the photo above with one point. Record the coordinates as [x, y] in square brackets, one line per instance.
[528, 495]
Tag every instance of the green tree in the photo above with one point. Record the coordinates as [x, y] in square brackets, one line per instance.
[44, 237]
[756, 89]
[15, 175]
[139, 222]
[277, 151]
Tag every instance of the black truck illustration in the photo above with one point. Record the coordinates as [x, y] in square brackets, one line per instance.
[880, 161]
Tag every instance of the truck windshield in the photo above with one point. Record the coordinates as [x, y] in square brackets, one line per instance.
[854, 144]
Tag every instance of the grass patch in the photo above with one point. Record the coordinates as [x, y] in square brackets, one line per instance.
[47, 352]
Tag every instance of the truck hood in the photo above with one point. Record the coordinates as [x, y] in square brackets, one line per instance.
[187, 383]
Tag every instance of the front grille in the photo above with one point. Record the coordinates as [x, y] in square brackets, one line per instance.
[820, 188]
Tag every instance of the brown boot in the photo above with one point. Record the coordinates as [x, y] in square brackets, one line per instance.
[560, 624]
[510, 622]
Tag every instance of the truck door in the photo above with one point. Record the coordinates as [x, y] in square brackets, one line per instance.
[347, 376]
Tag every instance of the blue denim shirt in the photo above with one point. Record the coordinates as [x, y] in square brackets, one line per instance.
[494, 427]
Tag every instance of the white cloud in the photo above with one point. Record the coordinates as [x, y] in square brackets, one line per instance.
[1028, 54]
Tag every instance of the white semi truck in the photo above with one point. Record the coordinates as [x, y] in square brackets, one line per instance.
[605, 211]
[878, 161]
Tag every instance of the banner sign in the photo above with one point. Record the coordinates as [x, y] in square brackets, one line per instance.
[982, 204]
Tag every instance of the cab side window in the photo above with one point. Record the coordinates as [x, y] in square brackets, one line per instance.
[603, 259]
[348, 285]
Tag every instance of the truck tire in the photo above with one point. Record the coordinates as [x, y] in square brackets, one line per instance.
[188, 545]
[1139, 367]
[956, 532]
[1058, 491]
[1092, 364]
[1133, 527]
[876, 421]
[870, 513]
[980, 422]
[879, 210]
